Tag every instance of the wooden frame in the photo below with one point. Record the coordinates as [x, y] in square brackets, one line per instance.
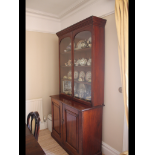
[80, 121]
[96, 27]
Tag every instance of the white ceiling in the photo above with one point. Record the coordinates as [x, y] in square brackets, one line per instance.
[55, 8]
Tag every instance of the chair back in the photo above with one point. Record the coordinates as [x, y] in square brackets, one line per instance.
[34, 124]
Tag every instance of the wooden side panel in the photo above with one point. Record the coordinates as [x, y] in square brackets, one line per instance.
[57, 120]
[92, 131]
[71, 129]
[98, 57]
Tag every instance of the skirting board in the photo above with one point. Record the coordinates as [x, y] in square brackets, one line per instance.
[108, 150]
[43, 125]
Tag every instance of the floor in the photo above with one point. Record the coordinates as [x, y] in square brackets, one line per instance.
[49, 145]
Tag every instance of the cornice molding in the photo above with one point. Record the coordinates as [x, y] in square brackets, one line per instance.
[42, 15]
[92, 20]
[72, 8]
[34, 30]
[104, 15]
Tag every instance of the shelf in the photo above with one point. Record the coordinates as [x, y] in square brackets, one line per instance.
[67, 66]
[82, 66]
[82, 50]
[84, 82]
[82, 99]
[69, 52]
[77, 66]
[66, 80]
[77, 51]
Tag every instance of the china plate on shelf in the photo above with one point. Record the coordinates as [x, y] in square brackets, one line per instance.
[88, 76]
[81, 90]
[82, 75]
[69, 75]
[76, 74]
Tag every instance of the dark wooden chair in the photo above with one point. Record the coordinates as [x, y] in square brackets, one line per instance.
[34, 125]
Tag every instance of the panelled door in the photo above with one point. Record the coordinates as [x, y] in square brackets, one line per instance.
[71, 129]
[57, 119]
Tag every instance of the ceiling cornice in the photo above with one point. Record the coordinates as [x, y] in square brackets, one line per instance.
[72, 8]
[112, 12]
[40, 14]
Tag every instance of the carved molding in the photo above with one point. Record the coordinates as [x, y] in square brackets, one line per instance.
[88, 21]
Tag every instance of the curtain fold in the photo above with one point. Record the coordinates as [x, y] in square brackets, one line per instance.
[121, 18]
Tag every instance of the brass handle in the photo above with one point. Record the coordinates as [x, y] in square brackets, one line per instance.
[120, 89]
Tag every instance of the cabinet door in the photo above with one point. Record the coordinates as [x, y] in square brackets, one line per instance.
[71, 129]
[57, 120]
[82, 67]
[66, 66]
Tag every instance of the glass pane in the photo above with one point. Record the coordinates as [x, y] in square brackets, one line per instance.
[66, 66]
[82, 65]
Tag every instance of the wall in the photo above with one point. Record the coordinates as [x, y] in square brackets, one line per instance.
[41, 23]
[42, 70]
[113, 111]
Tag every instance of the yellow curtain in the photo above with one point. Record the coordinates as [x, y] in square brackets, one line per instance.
[121, 18]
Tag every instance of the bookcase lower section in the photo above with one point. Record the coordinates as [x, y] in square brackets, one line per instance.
[77, 129]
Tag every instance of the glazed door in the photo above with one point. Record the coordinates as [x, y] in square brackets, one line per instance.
[82, 65]
[57, 120]
[66, 66]
[71, 129]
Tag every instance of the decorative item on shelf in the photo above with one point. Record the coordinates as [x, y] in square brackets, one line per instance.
[75, 88]
[69, 75]
[77, 62]
[74, 61]
[88, 91]
[76, 74]
[83, 62]
[69, 62]
[76, 95]
[88, 98]
[89, 45]
[81, 90]
[89, 80]
[67, 86]
[66, 64]
[81, 75]
[66, 92]
[80, 79]
[89, 42]
[89, 62]
[78, 45]
[65, 77]
[69, 92]
[88, 76]
[68, 48]
[84, 44]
